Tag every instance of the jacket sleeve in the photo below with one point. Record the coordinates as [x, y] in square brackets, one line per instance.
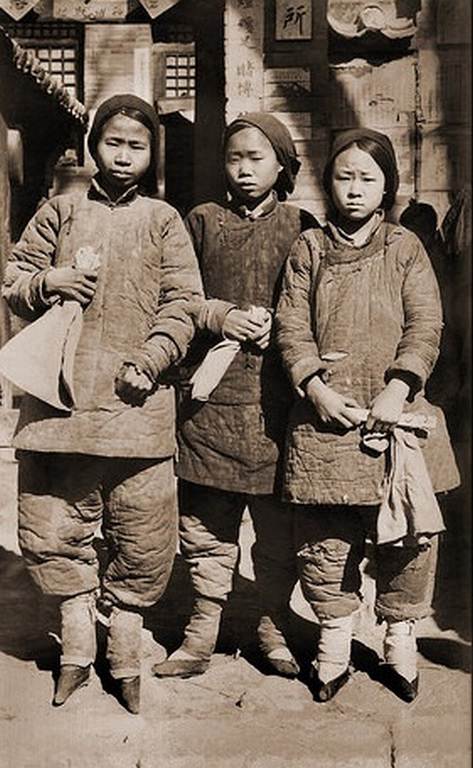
[211, 312]
[30, 259]
[181, 296]
[293, 319]
[419, 346]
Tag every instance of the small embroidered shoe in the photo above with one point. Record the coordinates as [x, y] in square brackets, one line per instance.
[323, 692]
[183, 668]
[130, 693]
[71, 678]
[397, 684]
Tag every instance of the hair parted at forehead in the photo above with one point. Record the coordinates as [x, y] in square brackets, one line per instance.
[137, 109]
[379, 147]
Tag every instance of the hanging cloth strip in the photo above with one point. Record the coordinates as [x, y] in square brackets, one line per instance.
[40, 358]
[216, 362]
[409, 513]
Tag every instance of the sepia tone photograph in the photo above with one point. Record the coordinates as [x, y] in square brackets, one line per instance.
[235, 384]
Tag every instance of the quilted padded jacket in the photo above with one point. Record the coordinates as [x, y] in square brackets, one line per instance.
[234, 441]
[378, 304]
[147, 282]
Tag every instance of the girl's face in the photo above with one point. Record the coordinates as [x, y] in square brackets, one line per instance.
[251, 164]
[123, 152]
[357, 184]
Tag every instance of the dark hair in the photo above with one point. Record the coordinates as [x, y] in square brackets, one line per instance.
[383, 155]
[137, 109]
[134, 114]
[282, 184]
[281, 141]
[148, 181]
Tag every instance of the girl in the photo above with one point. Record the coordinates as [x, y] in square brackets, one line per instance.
[358, 325]
[105, 461]
[229, 447]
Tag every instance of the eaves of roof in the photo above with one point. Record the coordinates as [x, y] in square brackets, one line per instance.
[30, 66]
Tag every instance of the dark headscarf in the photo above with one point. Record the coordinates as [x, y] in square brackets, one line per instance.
[281, 141]
[379, 147]
[132, 106]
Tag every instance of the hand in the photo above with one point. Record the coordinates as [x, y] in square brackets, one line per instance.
[386, 409]
[241, 325]
[262, 338]
[132, 385]
[71, 284]
[332, 406]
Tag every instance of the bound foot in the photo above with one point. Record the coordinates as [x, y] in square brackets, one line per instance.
[181, 664]
[324, 690]
[281, 661]
[70, 679]
[400, 653]
[406, 690]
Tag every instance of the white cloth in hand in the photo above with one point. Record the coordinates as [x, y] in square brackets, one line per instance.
[212, 369]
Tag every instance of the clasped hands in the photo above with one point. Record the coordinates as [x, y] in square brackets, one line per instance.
[249, 325]
[340, 410]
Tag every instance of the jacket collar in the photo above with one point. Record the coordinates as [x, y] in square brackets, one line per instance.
[264, 208]
[362, 236]
[97, 192]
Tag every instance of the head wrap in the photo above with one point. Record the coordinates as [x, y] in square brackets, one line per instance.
[379, 147]
[281, 141]
[132, 106]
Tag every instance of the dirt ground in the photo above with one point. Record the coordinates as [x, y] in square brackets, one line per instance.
[235, 716]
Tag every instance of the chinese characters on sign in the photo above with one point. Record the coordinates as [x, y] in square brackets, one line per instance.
[244, 65]
[293, 19]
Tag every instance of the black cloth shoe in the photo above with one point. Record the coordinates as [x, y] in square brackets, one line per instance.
[284, 667]
[130, 693]
[325, 691]
[183, 668]
[71, 677]
[397, 684]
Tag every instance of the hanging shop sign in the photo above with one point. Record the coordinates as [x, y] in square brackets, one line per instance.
[90, 10]
[17, 8]
[293, 20]
[244, 60]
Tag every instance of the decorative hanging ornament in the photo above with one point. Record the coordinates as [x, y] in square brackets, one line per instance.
[90, 10]
[156, 7]
[17, 8]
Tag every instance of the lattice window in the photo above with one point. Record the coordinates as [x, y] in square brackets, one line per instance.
[180, 75]
[57, 48]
